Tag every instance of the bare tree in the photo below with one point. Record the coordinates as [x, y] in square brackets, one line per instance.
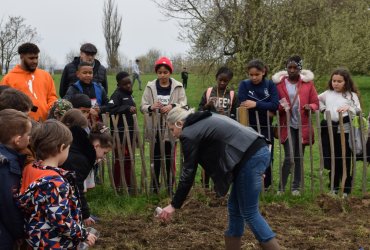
[46, 62]
[112, 22]
[13, 33]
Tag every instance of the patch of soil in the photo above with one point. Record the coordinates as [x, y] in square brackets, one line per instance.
[330, 223]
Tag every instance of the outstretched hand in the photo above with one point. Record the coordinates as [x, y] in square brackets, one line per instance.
[167, 213]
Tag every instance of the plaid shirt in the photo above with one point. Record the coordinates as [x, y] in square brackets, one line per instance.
[52, 212]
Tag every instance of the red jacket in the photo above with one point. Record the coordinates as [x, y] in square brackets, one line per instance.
[307, 95]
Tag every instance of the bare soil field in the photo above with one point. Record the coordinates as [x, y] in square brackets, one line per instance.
[328, 223]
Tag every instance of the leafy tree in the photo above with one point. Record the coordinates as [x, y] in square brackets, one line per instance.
[326, 34]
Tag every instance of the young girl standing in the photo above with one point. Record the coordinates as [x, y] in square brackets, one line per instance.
[297, 96]
[341, 96]
[161, 95]
[260, 95]
[48, 195]
[219, 99]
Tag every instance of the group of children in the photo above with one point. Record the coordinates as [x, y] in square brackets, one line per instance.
[293, 95]
[47, 177]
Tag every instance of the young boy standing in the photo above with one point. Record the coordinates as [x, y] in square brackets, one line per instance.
[122, 102]
[48, 196]
[86, 85]
[14, 137]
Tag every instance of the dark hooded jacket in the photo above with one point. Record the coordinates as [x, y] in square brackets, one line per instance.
[81, 160]
[11, 218]
[218, 143]
[69, 76]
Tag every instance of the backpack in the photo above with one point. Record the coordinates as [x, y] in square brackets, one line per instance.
[357, 134]
[209, 91]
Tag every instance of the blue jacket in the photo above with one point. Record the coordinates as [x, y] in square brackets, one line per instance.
[264, 94]
[11, 219]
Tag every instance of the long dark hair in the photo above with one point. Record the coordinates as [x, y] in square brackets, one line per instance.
[349, 85]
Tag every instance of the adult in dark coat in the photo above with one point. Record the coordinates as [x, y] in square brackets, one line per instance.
[87, 54]
[242, 158]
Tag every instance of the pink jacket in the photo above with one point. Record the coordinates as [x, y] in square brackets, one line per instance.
[307, 95]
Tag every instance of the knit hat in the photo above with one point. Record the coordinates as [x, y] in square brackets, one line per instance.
[163, 61]
[59, 108]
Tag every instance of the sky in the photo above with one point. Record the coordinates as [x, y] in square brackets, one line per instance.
[65, 24]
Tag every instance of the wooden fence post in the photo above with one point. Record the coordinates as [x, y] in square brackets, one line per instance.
[144, 180]
[332, 153]
[320, 149]
[130, 151]
[343, 147]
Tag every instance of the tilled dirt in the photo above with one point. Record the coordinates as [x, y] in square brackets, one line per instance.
[329, 223]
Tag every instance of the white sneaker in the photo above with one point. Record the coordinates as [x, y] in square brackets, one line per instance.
[345, 195]
[279, 193]
[296, 193]
[333, 193]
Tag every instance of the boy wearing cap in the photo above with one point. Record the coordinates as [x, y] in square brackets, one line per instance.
[161, 95]
[87, 54]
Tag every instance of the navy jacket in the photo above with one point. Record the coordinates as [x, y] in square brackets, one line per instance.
[265, 95]
[11, 218]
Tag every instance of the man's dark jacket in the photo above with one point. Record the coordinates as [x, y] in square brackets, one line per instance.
[69, 76]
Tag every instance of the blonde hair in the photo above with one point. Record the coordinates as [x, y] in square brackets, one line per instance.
[178, 114]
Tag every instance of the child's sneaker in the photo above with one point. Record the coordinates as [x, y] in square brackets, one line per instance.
[296, 193]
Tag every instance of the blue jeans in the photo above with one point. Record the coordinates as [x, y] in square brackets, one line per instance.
[243, 201]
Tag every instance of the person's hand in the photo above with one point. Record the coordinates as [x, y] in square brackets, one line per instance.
[343, 109]
[307, 107]
[167, 213]
[89, 222]
[91, 238]
[284, 103]
[166, 109]
[156, 105]
[211, 102]
[249, 104]
[133, 110]
[94, 112]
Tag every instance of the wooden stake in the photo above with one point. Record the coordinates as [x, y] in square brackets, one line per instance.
[321, 170]
[118, 146]
[110, 168]
[310, 141]
[364, 173]
[332, 152]
[343, 147]
[129, 146]
[300, 148]
[354, 157]
[244, 116]
[280, 155]
[144, 179]
[291, 152]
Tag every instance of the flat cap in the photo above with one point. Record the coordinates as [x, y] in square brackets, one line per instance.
[88, 48]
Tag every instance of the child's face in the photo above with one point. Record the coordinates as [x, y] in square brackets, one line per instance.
[256, 75]
[293, 71]
[22, 141]
[222, 80]
[85, 74]
[338, 82]
[163, 75]
[101, 152]
[125, 84]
